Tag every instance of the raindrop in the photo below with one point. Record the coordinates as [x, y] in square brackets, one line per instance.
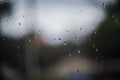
[54, 39]
[90, 40]
[80, 28]
[23, 16]
[78, 70]
[31, 24]
[67, 31]
[73, 35]
[104, 5]
[29, 40]
[59, 38]
[7, 19]
[7, 1]
[112, 16]
[96, 50]
[28, 29]
[71, 74]
[65, 43]
[76, 38]
[70, 55]
[78, 51]
[4, 39]
[18, 47]
[19, 24]
[95, 32]
[93, 45]
[73, 66]
[117, 20]
[39, 31]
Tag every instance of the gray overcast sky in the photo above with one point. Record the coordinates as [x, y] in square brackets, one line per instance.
[53, 18]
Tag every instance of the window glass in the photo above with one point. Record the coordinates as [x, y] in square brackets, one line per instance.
[59, 39]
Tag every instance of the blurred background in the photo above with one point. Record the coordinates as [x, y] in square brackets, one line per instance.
[59, 39]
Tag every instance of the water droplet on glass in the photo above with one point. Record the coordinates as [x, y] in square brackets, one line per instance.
[28, 29]
[104, 5]
[59, 38]
[95, 32]
[71, 74]
[70, 54]
[76, 38]
[7, 19]
[80, 28]
[39, 31]
[6, 1]
[96, 50]
[112, 16]
[90, 40]
[77, 70]
[19, 24]
[117, 20]
[23, 16]
[73, 35]
[10, 17]
[18, 47]
[65, 43]
[78, 51]
[67, 31]
[93, 45]
[4, 39]
[29, 40]
[31, 24]
[54, 39]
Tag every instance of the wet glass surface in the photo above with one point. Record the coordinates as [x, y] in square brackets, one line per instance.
[60, 39]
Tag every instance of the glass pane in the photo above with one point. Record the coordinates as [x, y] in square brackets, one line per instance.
[59, 39]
